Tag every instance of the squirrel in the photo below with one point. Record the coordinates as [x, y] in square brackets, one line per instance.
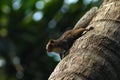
[63, 44]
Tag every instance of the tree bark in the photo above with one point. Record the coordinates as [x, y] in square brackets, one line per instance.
[95, 55]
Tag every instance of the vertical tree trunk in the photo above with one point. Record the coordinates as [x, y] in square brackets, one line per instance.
[95, 55]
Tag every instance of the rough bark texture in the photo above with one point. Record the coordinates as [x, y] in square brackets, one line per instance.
[95, 55]
[85, 20]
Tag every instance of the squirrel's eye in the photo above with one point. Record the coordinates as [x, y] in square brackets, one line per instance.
[51, 45]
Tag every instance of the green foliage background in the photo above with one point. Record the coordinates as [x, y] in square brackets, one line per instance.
[23, 38]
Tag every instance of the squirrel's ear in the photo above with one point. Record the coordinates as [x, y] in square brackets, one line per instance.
[52, 41]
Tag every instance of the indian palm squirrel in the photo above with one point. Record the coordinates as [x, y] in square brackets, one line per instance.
[63, 44]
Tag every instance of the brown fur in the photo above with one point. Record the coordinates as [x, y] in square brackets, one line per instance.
[63, 44]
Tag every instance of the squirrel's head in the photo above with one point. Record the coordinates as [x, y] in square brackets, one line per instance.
[53, 46]
[50, 45]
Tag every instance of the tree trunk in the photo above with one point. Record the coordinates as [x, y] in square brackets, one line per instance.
[95, 55]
